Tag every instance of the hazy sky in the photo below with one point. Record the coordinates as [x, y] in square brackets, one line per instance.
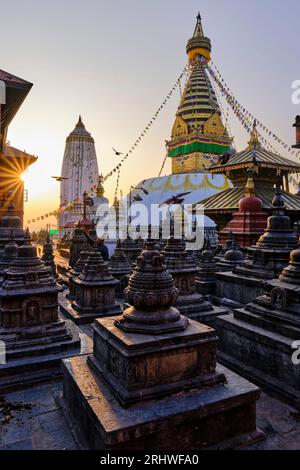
[114, 62]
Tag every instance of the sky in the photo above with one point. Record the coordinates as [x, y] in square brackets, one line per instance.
[114, 62]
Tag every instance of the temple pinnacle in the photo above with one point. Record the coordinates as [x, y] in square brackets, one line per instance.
[198, 28]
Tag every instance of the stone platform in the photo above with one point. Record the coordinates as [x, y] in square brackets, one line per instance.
[80, 318]
[261, 355]
[201, 417]
[36, 356]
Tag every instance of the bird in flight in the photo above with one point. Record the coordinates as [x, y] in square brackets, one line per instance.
[59, 178]
[116, 152]
[175, 199]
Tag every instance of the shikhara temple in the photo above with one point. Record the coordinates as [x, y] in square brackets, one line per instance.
[148, 345]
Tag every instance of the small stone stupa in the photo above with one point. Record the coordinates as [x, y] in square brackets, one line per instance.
[11, 221]
[74, 273]
[180, 263]
[257, 340]
[78, 244]
[233, 256]
[206, 278]
[35, 338]
[9, 254]
[120, 267]
[131, 248]
[152, 381]
[267, 258]
[94, 292]
[48, 256]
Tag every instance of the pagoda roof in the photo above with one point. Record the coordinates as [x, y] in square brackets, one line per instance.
[257, 156]
[228, 201]
[16, 90]
[12, 152]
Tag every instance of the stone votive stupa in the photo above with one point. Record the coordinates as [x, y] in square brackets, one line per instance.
[74, 272]
[78, 243]
[206, 279]
[232, 257]
[11, 221]
[94, 290]
[267, 258]
[131, 248]
[35, 338]
[9, 254]
[257, 340]
[48, 256]
[152, 382]
[120, 267]
[180, 263]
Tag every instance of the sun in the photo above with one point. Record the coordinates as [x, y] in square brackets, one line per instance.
[24, 176]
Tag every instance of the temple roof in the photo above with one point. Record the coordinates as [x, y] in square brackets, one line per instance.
[228, 201]
[258, 156]
[80, 132]
[16, 90]
[21, 156]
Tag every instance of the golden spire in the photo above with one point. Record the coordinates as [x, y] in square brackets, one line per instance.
[250, 187]
[116, 201]
[198, 44]
[254, 140]
[198, 28]
[100, 188]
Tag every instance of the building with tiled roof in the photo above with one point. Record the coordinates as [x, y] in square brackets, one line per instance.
[13, 162]
[269, 168]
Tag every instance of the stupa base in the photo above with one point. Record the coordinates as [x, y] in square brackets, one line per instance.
[81, 317]
[219, 417]
[34, 354]
[197, 308]
[205, 288]
[262, 355]
[238, 288]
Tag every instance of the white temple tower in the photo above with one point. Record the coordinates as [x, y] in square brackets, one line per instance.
[80, 173]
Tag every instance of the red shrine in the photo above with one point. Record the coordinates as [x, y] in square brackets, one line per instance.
[249, 222]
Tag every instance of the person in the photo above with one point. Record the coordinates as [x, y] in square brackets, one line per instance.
[101, 248]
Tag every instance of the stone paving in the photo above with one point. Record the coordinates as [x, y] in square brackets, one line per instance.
[43, 425]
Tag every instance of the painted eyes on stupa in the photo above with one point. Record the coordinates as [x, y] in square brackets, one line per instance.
[182, 159]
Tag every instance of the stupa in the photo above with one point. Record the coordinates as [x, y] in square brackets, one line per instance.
[48, 256]
[250, 221]
[266, 259]
[152, 382]
[9, 254]
[232, 257]
[198, 139]
[78, 243]
[79, 172]
[35, 338]
[131, 248]
[11, 221]
[181, 265]
[267, 168]
[74, 272]
[206, 279]
[257, 340]
[120, 267]
[94, 291]
[98, 200]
